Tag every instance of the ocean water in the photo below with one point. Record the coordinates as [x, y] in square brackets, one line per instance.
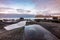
[16, 16]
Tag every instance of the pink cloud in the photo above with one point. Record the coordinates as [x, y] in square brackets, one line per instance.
[49, 4]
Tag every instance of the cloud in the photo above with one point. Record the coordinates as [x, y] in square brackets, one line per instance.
[47, 4]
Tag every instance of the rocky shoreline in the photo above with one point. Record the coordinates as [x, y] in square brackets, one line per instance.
[17, 34]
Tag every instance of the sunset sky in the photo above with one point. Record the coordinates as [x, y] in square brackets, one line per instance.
[45, 6]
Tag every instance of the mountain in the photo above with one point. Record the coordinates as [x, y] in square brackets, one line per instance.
[56, 14]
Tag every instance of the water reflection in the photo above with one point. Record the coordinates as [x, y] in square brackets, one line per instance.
[37, 32]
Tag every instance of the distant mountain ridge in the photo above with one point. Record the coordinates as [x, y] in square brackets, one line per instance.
[56, 14]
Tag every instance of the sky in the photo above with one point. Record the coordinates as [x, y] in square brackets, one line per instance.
[45, 6]
[18, 4]
[48, 5]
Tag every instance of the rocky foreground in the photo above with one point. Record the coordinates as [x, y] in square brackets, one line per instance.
[17, 34]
